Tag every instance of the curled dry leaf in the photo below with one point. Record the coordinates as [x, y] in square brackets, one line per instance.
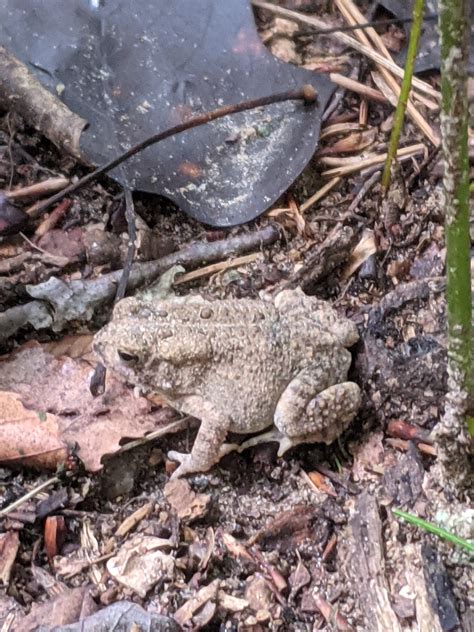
[235, 548]
[322, 483]
[46, 406]
[356, 141]
[141, 563]
[363, 250]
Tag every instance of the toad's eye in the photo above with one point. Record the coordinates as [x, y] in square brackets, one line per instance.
[128, 358]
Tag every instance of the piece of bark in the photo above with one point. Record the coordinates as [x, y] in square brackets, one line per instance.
[365, 548]
[440, 593]
[36, 313]
[368, 566]
[417, 584]
[403, 481]
[21, 92]
[77, 300]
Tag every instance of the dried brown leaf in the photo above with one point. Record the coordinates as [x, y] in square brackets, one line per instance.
[132, 521]
[185, 502]
[67, 607]
[54, 535]
[258, 593]
[47, 405]
[322, 483]
[29, 436]
[299, 578]
[75, 346]
[62, 243]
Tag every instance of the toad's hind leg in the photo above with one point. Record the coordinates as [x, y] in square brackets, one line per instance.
[305, 417]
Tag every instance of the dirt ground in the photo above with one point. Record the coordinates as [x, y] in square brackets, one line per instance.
[304, 542]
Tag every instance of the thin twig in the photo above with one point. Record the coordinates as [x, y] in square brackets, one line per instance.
[216, 267]
[377, 23]
[77, 299]
[28, 496]
[132, 237]
[307, 94]
[320, 193]
[340, 128]
[355, 86]
[53, 218]
[402, 154]
[368, 184]
[38, 189]
[174, 426]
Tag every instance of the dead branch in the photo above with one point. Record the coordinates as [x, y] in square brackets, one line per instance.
[22, 92]
[60, 302]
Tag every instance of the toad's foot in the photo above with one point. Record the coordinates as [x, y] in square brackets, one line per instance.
[188, 464]
[285, 442]
[207, 447]
[267, 437]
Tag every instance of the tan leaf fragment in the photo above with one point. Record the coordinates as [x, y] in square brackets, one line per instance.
[29, 436]
[141, 563]
[9, 545]
[185, 502]
[74, 346]
[231, 603]
[322, 483]
[190, 608]
[363, 250]
[131, 522]
[355, 141]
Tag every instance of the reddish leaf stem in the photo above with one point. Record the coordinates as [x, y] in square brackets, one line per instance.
[307, 94]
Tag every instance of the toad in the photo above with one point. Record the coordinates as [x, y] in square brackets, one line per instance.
[238, 365]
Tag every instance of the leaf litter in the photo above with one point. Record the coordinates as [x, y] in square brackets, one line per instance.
[257, 543]
[47, 408]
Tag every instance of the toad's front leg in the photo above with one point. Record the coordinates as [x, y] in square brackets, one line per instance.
[206, 450]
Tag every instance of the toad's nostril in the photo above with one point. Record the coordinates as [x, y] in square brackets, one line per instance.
[129, 358]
